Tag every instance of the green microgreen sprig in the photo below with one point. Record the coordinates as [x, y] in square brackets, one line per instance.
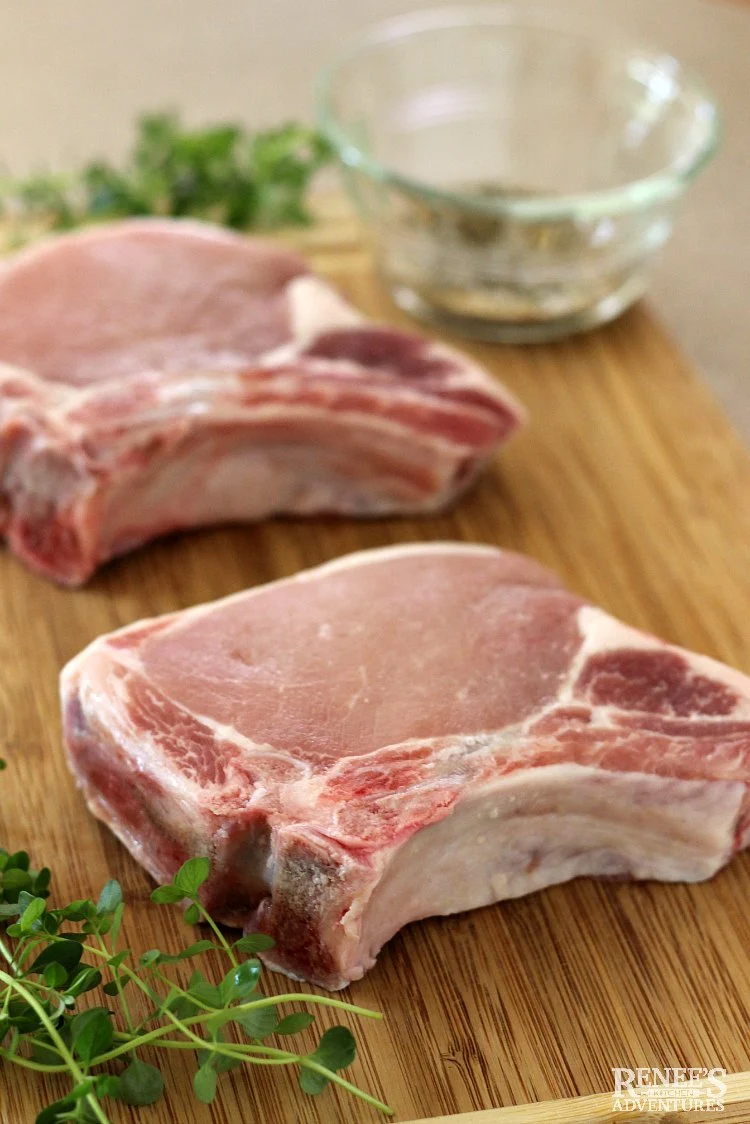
[54, 956]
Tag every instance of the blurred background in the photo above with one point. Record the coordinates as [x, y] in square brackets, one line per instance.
[77, 74]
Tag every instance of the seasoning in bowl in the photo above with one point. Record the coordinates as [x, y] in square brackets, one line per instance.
[517, 174]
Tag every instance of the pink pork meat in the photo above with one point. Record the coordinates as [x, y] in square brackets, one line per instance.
[448, 708]
[163, 374]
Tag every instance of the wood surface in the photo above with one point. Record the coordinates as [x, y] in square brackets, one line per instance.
[598, 1109]
[630, 482]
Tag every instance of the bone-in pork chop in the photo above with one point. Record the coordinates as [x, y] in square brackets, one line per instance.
[162, 374]
[330, 738]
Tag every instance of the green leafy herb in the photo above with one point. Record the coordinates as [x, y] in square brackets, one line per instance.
[221, 173]
[46, 964]
[16, 879]
[293, 1024]
[141, 1083]
[191, 876]
[109, 899]
[263, 1021]
[204, 1083]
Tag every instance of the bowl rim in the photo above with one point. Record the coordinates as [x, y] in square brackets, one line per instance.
[665, 184]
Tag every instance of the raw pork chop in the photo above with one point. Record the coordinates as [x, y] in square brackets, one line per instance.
[442, 708]
[157, 374]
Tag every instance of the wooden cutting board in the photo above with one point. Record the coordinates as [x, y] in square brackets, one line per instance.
[631, 483]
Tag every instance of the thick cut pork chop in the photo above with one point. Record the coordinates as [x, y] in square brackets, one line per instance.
[158, 374]
[446, 708]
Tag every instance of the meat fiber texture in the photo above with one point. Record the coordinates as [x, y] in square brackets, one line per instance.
[162, 374]
[405, 732]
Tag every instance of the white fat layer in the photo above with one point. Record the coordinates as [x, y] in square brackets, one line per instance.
[536, 828]
[9, 371]
[316, 307]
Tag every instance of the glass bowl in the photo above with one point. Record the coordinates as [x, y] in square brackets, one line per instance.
[518, 171]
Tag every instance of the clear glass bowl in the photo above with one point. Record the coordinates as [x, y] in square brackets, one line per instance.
[517, 172]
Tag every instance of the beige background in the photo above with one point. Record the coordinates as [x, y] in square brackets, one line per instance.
[76, 72]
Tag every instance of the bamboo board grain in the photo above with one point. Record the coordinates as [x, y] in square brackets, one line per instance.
[629, 482]
[601, 1108]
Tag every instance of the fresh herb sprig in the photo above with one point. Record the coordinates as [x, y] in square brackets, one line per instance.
[222, 173]
[54, 956]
